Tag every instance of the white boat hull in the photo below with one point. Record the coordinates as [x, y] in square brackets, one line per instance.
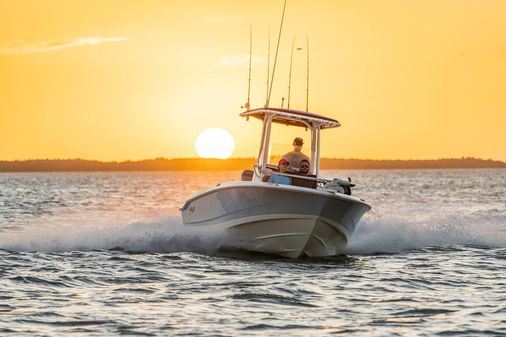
[275, 219]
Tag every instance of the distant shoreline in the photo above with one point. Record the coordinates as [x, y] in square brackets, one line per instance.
[233, 164]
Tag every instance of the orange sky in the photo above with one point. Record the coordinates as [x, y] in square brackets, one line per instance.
[116, 80]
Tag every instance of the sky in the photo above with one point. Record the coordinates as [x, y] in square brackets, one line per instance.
[129, 80]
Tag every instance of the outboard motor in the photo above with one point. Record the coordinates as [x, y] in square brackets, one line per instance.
[339, 186]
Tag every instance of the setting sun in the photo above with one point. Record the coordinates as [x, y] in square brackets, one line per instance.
[215, 143]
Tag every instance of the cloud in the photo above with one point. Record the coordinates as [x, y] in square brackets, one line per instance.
[25, 47]
[223, 20]
[238, 59]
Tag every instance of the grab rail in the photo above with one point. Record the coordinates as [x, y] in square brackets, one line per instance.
[319, 180]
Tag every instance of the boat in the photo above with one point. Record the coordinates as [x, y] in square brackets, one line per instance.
[308, 217]
[311, 217]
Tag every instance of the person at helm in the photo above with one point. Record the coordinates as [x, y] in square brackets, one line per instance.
[296, 156]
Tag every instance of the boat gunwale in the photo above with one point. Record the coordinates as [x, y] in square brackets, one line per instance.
[274, 186]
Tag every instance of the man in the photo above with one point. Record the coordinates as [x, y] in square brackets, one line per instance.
[296, 156]
[304, 167]
[303, 179]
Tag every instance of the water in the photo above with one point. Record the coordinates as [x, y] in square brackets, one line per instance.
[102, 254]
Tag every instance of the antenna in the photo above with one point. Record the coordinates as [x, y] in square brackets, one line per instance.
[250, 56]
[276, 57]
[247, 105]
[268, 67]
[307, 75]
[290, 74]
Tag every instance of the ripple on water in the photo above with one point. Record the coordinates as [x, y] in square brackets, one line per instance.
[272, 299]
[423, 312]
[283, 327]
[38, 281]
[64, 323]
[6, 308]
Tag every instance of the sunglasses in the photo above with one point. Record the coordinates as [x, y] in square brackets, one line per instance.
[304, 166]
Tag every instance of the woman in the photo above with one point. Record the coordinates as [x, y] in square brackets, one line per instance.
[282, 168]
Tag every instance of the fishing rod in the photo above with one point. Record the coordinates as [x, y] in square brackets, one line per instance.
[276, 56]
[290, 74]
[268, 66]
[307, 75]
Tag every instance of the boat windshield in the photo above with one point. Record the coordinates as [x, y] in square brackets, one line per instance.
[282, 146]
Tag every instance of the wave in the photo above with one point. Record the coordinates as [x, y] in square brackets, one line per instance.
[164, 234]
[375, 234]
[397, 233]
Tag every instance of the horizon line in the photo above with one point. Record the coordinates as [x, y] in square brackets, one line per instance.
[216, 164]
[242, 158]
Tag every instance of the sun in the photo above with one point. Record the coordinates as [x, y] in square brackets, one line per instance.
[215, 143]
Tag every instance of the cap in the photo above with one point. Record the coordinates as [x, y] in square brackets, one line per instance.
[283, 160]
[298, 141]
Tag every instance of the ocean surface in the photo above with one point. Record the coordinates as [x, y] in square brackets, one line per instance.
[105, 254]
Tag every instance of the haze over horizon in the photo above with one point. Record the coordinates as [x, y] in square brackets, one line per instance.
[119, 80]
[240, 158]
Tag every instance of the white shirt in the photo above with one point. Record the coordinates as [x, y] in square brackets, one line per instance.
[294, 158]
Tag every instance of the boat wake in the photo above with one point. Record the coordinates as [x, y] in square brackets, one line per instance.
[394, 234]
[163, 234]
[391, 234]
